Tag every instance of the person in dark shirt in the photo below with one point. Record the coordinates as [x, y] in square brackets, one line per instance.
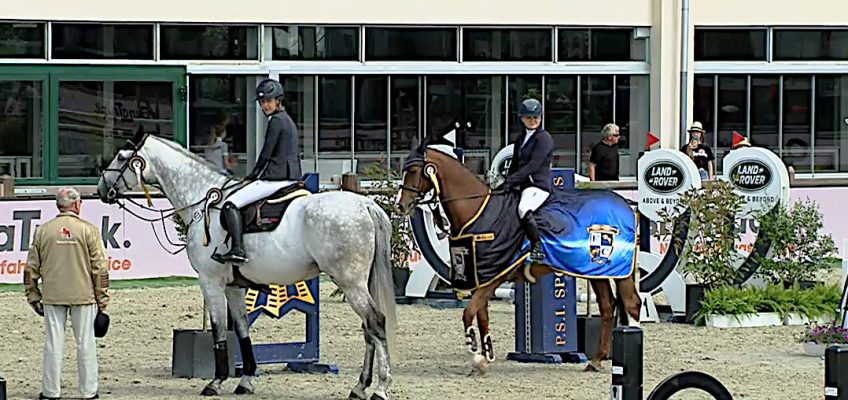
[603, 162]
[701, 154]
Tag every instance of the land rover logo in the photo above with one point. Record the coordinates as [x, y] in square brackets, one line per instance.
[750, 175]
[663, 177]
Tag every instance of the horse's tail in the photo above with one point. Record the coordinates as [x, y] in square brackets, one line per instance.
[380, 282]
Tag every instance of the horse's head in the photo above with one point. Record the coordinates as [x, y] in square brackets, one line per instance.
[419, 173]
[126, 171]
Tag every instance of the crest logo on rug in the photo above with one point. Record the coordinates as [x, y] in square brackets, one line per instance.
[601, 242]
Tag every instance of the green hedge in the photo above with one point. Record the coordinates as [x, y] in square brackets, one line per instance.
[819, 301]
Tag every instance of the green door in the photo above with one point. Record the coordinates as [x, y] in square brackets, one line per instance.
[87, 113]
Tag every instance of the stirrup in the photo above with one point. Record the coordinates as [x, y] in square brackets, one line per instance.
[536, 255]
[229, 258]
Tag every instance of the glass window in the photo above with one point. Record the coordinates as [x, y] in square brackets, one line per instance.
[334, 126]
[222, 106]
[22, 40]
[521, 88]
[831, 145]
[595, 112]
[209, 42]
[730, 44]
[410, 44]
[405, 108]
[703, 104]
[477, 102]
[765, 113]
[506, 44]
[370, 135]
[792, 44]
[632, 105]
[300, 104]
[97, 41]
[732, 116]
[484, 108]
[797, 122]
[597, 44]
[96, 118]
[21, 128]
[561, 118]
[296, 42]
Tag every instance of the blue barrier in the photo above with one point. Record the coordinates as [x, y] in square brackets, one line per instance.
[546, 312]
[303, 296]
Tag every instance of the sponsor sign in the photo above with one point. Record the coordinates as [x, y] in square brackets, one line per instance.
[664, 175]
[759, 176]
[132, 249]
[500, 166]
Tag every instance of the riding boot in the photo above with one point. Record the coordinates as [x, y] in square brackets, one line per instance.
[532, 232]
[234, 226]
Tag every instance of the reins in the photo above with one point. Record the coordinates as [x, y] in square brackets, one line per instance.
[212, 198]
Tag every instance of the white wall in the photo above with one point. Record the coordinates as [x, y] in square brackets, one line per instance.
[769, 12]
[547, 12]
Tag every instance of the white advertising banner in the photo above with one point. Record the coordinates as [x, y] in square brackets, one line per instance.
[132, 248]
[664, 175]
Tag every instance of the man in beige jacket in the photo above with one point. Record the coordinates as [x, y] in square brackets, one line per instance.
[68, 256]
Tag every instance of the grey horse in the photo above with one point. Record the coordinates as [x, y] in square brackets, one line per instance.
[344, 235]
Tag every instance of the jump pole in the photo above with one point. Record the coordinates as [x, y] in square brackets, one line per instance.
[546, 312]
[299, 356]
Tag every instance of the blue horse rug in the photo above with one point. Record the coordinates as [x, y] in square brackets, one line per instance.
[584, 233]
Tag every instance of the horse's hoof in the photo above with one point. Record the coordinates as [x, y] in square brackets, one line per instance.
[376, 396]
[242, 390]
[208, 391]
[354, 395]
[480, 364]
[591, 367]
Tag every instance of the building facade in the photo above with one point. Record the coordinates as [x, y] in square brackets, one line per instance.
[364, 80]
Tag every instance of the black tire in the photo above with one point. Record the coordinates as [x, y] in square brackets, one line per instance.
[690, 380]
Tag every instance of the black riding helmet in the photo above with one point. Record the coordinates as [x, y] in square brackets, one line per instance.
[269, 89]
[530, 107]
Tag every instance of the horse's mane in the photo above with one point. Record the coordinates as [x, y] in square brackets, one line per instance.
[448, 151]
[186, 153]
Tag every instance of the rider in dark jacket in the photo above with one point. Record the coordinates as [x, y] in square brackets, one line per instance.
[277, 166]
[530, 171]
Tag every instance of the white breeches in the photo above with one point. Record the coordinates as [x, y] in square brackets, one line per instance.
[256, 190]
[531, 198]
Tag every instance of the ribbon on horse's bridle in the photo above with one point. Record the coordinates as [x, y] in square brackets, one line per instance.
[138, 164]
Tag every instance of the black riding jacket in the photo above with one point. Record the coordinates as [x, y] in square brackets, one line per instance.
[278, 160]
[531, 163]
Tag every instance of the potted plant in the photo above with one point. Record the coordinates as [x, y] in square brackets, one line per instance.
[817, 337]
[799, 247]
[709, 252]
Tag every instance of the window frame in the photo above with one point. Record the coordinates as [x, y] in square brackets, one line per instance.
[50, 76]
[767, 43]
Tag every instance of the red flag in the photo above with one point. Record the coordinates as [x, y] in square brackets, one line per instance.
[652, 140]
[737, 138]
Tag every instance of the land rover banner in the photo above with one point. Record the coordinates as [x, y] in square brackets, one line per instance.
[664, 175]
[500, 166]
[759, 175]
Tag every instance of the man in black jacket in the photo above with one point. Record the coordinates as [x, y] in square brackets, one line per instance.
[530, 171]
[278, 166]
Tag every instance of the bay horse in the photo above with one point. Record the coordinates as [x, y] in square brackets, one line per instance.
[344, 235]
[464, 198]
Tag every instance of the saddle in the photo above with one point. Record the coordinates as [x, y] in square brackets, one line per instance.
[264, 215]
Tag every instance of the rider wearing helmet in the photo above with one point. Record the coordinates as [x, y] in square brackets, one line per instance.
[530, 171]
[277, 166]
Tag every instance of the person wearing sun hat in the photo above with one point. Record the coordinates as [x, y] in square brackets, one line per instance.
[700, 153]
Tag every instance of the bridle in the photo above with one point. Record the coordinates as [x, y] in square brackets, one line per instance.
[138, 164]
[430, 170]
